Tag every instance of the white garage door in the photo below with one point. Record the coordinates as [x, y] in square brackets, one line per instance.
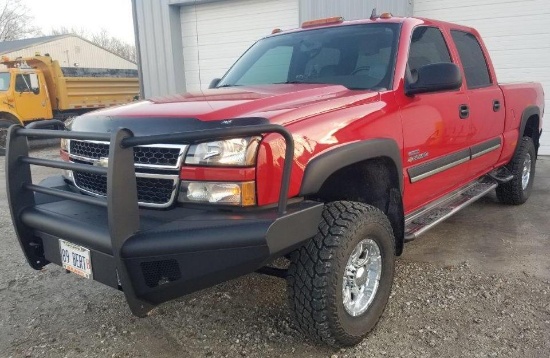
[516, 33]
[216, 34]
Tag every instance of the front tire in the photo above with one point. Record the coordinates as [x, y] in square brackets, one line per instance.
[4, 125]
[522, 167]
[340, 281]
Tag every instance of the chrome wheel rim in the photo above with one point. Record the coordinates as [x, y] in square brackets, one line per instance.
[362, 277]
[526, 174]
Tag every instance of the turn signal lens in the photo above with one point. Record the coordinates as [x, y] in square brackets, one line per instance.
[223, 193]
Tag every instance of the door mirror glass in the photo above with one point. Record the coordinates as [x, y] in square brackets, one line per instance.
[33, 78]
[434, 78]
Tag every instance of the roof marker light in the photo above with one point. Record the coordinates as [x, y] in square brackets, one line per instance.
[386, 15]
[276, 31]
[320, 22]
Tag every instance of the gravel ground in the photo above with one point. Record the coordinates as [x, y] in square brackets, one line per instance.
[436, 310]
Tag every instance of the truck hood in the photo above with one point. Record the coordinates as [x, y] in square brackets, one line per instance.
[280, 104]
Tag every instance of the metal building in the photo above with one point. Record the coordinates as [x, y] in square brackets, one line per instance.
[516, 34]
[184, 44]
[69, 50]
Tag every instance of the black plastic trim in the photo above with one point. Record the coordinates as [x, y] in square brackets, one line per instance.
[528, 113]
[323, 166]
[438, 165]
[485, 147]
[291, 230]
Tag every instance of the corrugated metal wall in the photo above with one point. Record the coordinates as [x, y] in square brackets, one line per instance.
[215, 35]
[352, 9]
[71, 49]
[159, 34]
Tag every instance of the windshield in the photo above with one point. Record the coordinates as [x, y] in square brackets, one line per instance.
[4, 81]
[355, 56]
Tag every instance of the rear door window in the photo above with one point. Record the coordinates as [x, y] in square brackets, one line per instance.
[473, 60]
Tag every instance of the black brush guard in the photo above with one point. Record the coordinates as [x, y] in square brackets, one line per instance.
[152, 255]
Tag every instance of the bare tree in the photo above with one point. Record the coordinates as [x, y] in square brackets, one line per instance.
[15, 21]
[102, 39]
[113, 44]
[63, 30]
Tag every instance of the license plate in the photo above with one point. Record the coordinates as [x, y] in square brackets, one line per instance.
[75, 258]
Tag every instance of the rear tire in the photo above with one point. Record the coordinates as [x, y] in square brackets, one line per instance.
[337, 290]
[522, 166]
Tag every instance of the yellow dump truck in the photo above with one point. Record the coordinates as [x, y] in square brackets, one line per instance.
[38, 88]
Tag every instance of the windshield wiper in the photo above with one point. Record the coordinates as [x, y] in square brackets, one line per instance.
[294, 82]
[227, 85]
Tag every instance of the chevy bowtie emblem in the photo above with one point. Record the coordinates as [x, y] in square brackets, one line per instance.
[102, 162]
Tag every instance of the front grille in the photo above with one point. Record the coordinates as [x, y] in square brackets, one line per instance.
[147, 155]
[157, 191]
[89, 149]
[160, 272]
[153, 189]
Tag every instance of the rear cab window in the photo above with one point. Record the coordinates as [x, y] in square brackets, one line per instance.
[473, 60]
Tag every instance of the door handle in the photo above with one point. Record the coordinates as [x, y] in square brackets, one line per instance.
[496, 105]
[464, 111]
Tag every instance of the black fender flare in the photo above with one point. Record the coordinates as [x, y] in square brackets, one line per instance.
[320, 168]
[527, 113]
[323, 166]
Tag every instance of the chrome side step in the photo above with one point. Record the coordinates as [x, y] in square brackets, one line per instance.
[427, 217]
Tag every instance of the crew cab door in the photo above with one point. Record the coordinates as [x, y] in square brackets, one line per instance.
[436, 138]
[486, 102]
[31, 99]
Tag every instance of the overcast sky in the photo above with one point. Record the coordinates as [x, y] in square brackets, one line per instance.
[92, 15]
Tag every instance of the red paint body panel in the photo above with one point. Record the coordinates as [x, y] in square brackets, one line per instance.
[323, 117]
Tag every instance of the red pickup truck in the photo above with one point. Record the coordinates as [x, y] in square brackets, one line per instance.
[330, 145]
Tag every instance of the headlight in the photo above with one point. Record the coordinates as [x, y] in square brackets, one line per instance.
[65, 144]
[224, 193]
[239, 152]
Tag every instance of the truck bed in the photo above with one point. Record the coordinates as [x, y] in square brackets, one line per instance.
[94, 92]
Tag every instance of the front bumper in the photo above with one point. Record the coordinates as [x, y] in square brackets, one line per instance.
[175, 252]
[152, 255]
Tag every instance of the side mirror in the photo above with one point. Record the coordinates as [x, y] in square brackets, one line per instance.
[33, 77]
[214, 83]
[435, 77]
